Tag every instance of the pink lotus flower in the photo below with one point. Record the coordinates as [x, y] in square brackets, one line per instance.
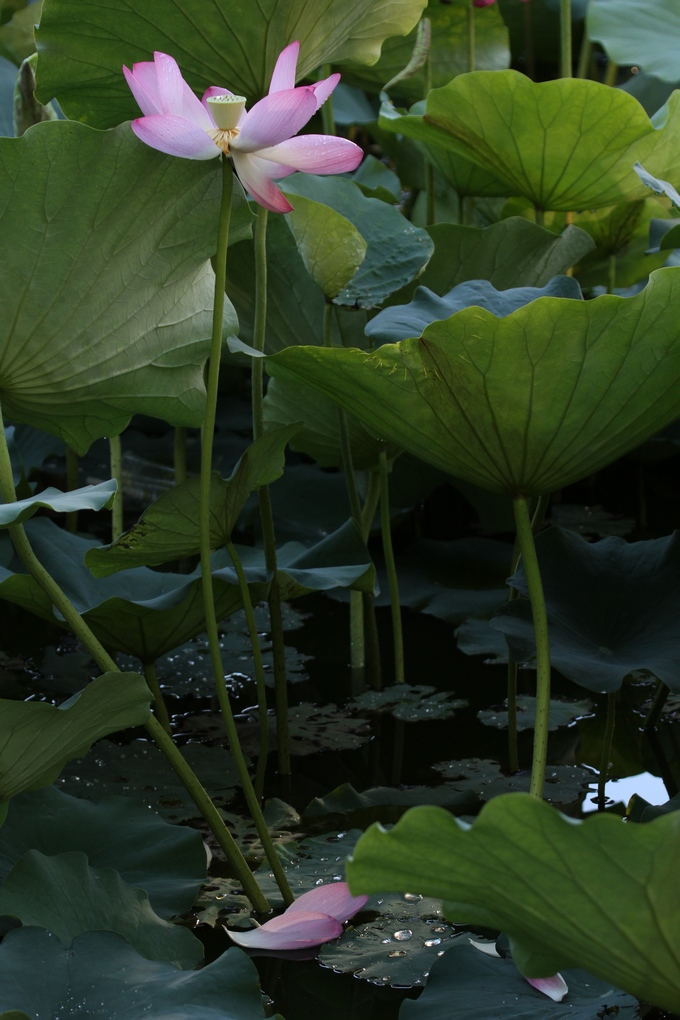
[316, 917]
[486, 3]
[555, 987]
[259, 142]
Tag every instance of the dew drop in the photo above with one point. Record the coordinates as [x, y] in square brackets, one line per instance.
[396, 952]
[432, 942]
[403, 935]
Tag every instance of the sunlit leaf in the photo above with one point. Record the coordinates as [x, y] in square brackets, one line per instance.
[331, 247]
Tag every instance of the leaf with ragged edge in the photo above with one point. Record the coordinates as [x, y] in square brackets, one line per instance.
[38, 739]
[331, 247]
[647, 36]
[595, 894]
[345, 807]
[568, 144]
[564, 784]
[107, 311]
[396, 251]
[656, 185]
[38, 974]
[469, 985]
[169, 530]
[399, 322]
[524, 404]
[167, 861]
[512, 253]
[83, 44]
[142, 611]
[141, 772]
[90, 497]
[562, 713]
[409, 703]
[614, 610]
[68, 897]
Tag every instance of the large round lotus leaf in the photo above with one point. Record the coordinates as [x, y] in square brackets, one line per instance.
[647, 35]
[568, 144]
[595, 894]
[107, 307]
[524, 404]
[40, 976]
[613, 608]
[167, 861]
[234, 43]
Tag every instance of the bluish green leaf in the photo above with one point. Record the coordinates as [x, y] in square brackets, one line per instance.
[647, 36]
[90, 497]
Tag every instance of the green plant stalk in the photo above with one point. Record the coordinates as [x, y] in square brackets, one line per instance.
[585, 57]
[565, 39]
[527, 550]
[370, 623]
[611, 73]
[160, 708]
[327, 118]
[116, 455]
[180, 455]
[392, 581]
[606, 748]
[266, 515]
[106, 663]
[71, 522]
[259, 670]
[470, 37]
[611, 274]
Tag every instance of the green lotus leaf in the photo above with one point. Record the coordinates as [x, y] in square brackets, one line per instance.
[647, 36]
[593, 894]
[38, 974]
[612, 608]
[523, 404]
[38, 739]
[143, 612]
[62, 893]
[471, 984]
[167, 861]
[17, 37]
[169, 529]
[562, 713]
[90, 497]
[382, 227]
[108, 307]
[331, 247]
[512, 253]
[83, 44]
[568, 144]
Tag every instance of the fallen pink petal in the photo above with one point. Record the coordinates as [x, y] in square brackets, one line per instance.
[315, 917]
[260, 141]
[554, 987]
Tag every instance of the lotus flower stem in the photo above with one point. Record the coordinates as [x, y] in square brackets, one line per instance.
[611, 73]
[393, 583]
[160, 708]
[585, 57]
[565, 39]
[266, 515]
[259, 670]
[116, 455]
[527, 549]
[606, 749]
[107, 664]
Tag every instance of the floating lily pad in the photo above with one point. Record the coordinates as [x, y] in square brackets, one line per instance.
[647, 37]
[63, 894]
[611, 611]
[140, 771]
[82, 69]
[471, 985]
[564, 784]
[524, 404]
[167, 861]
[402, 321]
[39, 975]
[562, 713]
[90, 497]
[313, 861]
[397, 948]
[409, 703]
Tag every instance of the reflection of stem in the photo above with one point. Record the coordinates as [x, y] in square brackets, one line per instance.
[393, 583]
[116, 454]
[72, 481]
[161, 709]
[606, 749]
[259, 669]
[532, 572]
[471, 37]
[565, 39]
[656, 707]
[204, 533]
[90, 642]
[180, 455]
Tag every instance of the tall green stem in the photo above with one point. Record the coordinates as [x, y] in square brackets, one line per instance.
[116, 455]
[471, 37]
[565, 39]
[161, 709]
[393, 583]
[585, 57]
[105, 662]
[266, 514]
[259, 669]
[204, 535]
[527, 550]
